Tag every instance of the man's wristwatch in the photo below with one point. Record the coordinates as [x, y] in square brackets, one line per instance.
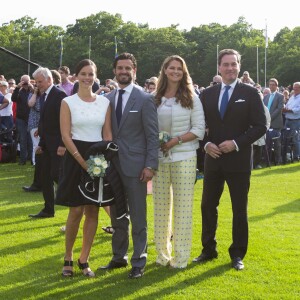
[179, 140]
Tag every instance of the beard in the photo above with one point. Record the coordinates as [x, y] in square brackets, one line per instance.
[124, 79]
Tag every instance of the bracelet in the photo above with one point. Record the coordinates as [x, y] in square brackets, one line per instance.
[75, 153]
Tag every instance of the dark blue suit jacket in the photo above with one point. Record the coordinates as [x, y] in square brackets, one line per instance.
[244, 122]
[49, 125]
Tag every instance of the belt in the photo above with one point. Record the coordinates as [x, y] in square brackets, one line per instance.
[293, 119]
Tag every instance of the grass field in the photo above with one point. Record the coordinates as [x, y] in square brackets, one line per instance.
[31, 251]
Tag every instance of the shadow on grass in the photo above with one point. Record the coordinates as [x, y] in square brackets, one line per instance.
[277, 170]
[291, 207]
[40, 281]
[45, 242]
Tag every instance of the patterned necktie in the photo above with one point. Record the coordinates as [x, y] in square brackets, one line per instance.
[42, 100]
[119, 106]
[224, 101]
[271, 98]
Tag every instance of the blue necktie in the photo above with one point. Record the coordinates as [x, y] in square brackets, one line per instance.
[119, 106]
[271, 98]
[224, 101]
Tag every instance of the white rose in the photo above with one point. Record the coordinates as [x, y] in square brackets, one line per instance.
[104, 164]
[97, 161]
[96, 171]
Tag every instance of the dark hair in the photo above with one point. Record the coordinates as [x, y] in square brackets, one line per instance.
[83, 63]
[229, 52]
[56, 76]
[123, 56]
[64, 69]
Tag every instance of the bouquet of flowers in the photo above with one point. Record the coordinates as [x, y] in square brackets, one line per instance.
[96, 166]
[164, 137]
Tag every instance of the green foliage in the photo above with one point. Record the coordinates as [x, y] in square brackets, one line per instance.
[151, 46]
[32, 250]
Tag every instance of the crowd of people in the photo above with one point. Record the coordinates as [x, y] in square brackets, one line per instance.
[61, 120]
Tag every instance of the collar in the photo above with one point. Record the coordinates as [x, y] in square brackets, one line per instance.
[127, 89]
[232, 85]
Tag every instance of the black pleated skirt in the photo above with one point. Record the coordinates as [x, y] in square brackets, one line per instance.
[68, 193]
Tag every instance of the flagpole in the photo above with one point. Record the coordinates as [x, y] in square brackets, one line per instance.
[217, 59]
[61, 51]
[266, 47]
[257, 71]
[90, 45]
[116, 47]
[28, 54]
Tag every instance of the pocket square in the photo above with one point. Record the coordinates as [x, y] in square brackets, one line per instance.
[240, 100]
[133, 111]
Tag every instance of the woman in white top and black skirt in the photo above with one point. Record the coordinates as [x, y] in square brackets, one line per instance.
[85, 119]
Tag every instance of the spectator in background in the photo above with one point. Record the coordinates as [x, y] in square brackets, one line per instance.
[292, 117]
[20, 96]
[65, 84]
[217, 79]
[6, 110]
[151, 87]
[266, 92]
[247, 79]
[274, 103]
[50, 144]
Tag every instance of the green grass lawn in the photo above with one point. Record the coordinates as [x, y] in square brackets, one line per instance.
[31, 251]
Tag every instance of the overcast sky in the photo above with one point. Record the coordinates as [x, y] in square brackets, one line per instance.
[162, 13]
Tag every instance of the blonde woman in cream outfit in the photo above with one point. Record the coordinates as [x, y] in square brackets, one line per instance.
[180, 113]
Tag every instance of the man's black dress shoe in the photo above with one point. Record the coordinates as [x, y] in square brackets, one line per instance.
[203, 257]
[237, 263]
[31, 188]
[114, 265]
[42, 214]
[136, 272]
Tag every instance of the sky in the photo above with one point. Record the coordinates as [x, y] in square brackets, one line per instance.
[163, 13]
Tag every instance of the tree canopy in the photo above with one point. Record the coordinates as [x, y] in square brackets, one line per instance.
[100, 35]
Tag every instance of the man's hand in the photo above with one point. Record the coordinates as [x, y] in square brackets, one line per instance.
[36, 133]
[227, 146]
[61, 151]
[146, 175]
[213, 150]
[39, 150]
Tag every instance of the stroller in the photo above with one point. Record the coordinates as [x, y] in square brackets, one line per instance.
[8, 147]
[289, 138]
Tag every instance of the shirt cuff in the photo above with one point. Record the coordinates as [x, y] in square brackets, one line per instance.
[236, 146]
[206, 145]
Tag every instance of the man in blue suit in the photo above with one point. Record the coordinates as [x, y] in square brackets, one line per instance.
[135, 131]
[235, 119]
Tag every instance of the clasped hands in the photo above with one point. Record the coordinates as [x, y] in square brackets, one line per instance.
[216, 151]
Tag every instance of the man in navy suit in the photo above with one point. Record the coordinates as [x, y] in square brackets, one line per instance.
[231, 132]
[50, 145]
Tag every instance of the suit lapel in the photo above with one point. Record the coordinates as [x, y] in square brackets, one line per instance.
[112, 98]
[129, 104]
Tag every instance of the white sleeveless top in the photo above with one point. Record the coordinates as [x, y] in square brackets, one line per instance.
[87, 118]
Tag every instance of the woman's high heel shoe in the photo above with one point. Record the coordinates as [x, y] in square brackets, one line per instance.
[83, 266]
[67, 273]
